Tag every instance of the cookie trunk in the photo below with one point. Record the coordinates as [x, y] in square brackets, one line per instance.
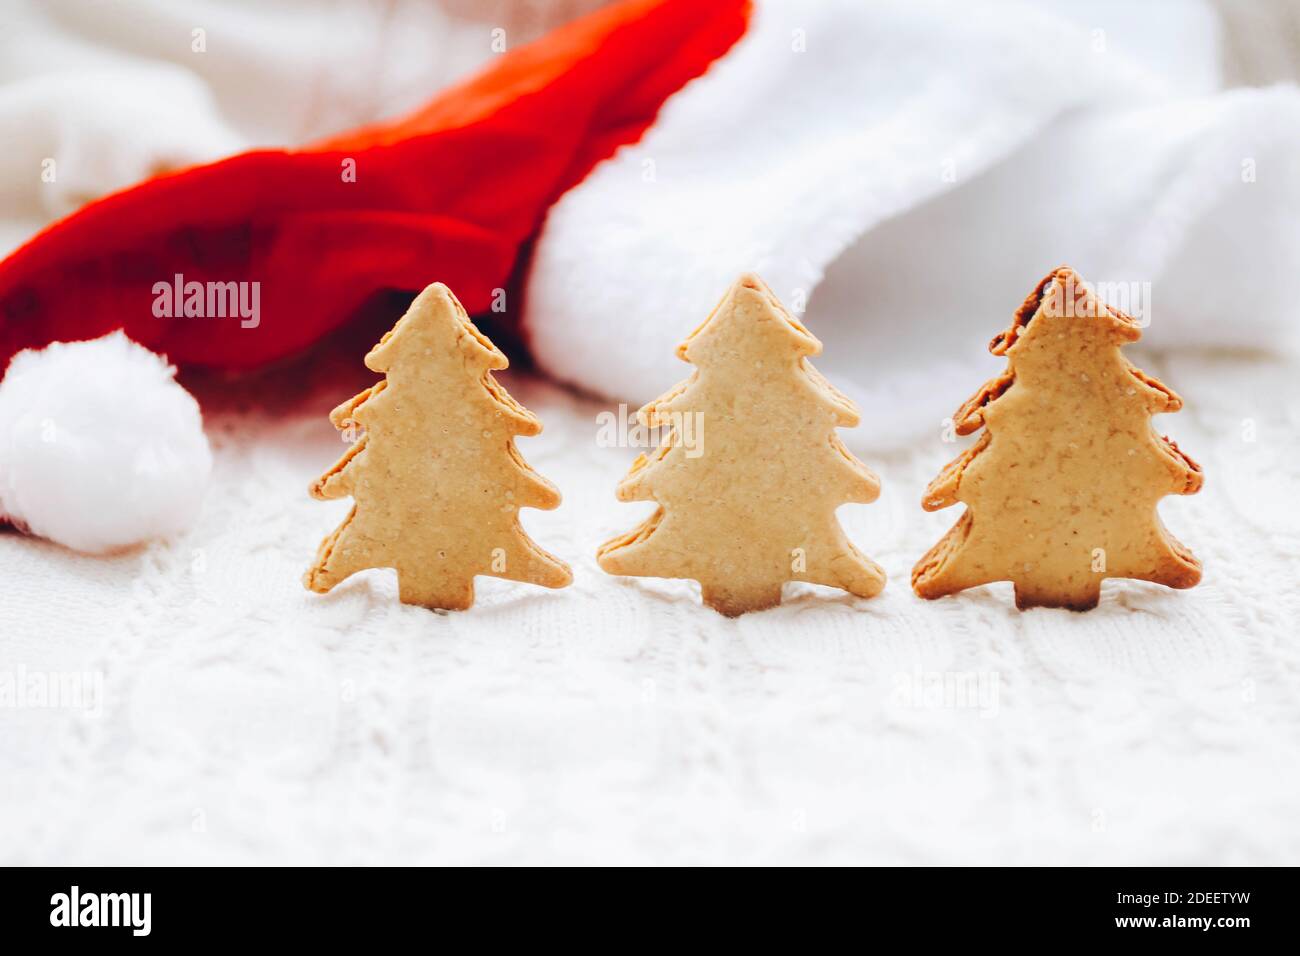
[1083, 597]
[733, 602]
[447, 594]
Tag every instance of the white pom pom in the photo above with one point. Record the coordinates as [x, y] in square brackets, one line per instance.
[99, 447]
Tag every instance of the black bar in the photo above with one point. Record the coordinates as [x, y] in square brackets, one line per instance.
[977, 906]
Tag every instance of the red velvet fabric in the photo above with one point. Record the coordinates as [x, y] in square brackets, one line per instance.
[451, 193]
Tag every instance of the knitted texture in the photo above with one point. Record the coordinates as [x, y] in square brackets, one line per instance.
[245, 720]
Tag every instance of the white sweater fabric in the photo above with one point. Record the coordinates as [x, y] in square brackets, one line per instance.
[242, 719]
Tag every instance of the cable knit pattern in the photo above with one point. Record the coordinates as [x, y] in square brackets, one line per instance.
[245, 720]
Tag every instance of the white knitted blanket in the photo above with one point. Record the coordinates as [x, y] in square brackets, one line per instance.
[229, 716]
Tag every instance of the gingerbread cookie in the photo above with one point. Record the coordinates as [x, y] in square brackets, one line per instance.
[1061, 489]
[436, 477]
[750, 470]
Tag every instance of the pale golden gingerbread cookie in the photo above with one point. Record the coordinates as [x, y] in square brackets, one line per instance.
[750, 475]
[437, 479]
[1061, 488]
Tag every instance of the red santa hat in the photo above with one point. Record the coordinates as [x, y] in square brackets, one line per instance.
[286, 245]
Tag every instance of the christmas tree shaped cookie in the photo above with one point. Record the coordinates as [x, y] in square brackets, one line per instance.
[750, 470]
[436, 477]
[1061, 488]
